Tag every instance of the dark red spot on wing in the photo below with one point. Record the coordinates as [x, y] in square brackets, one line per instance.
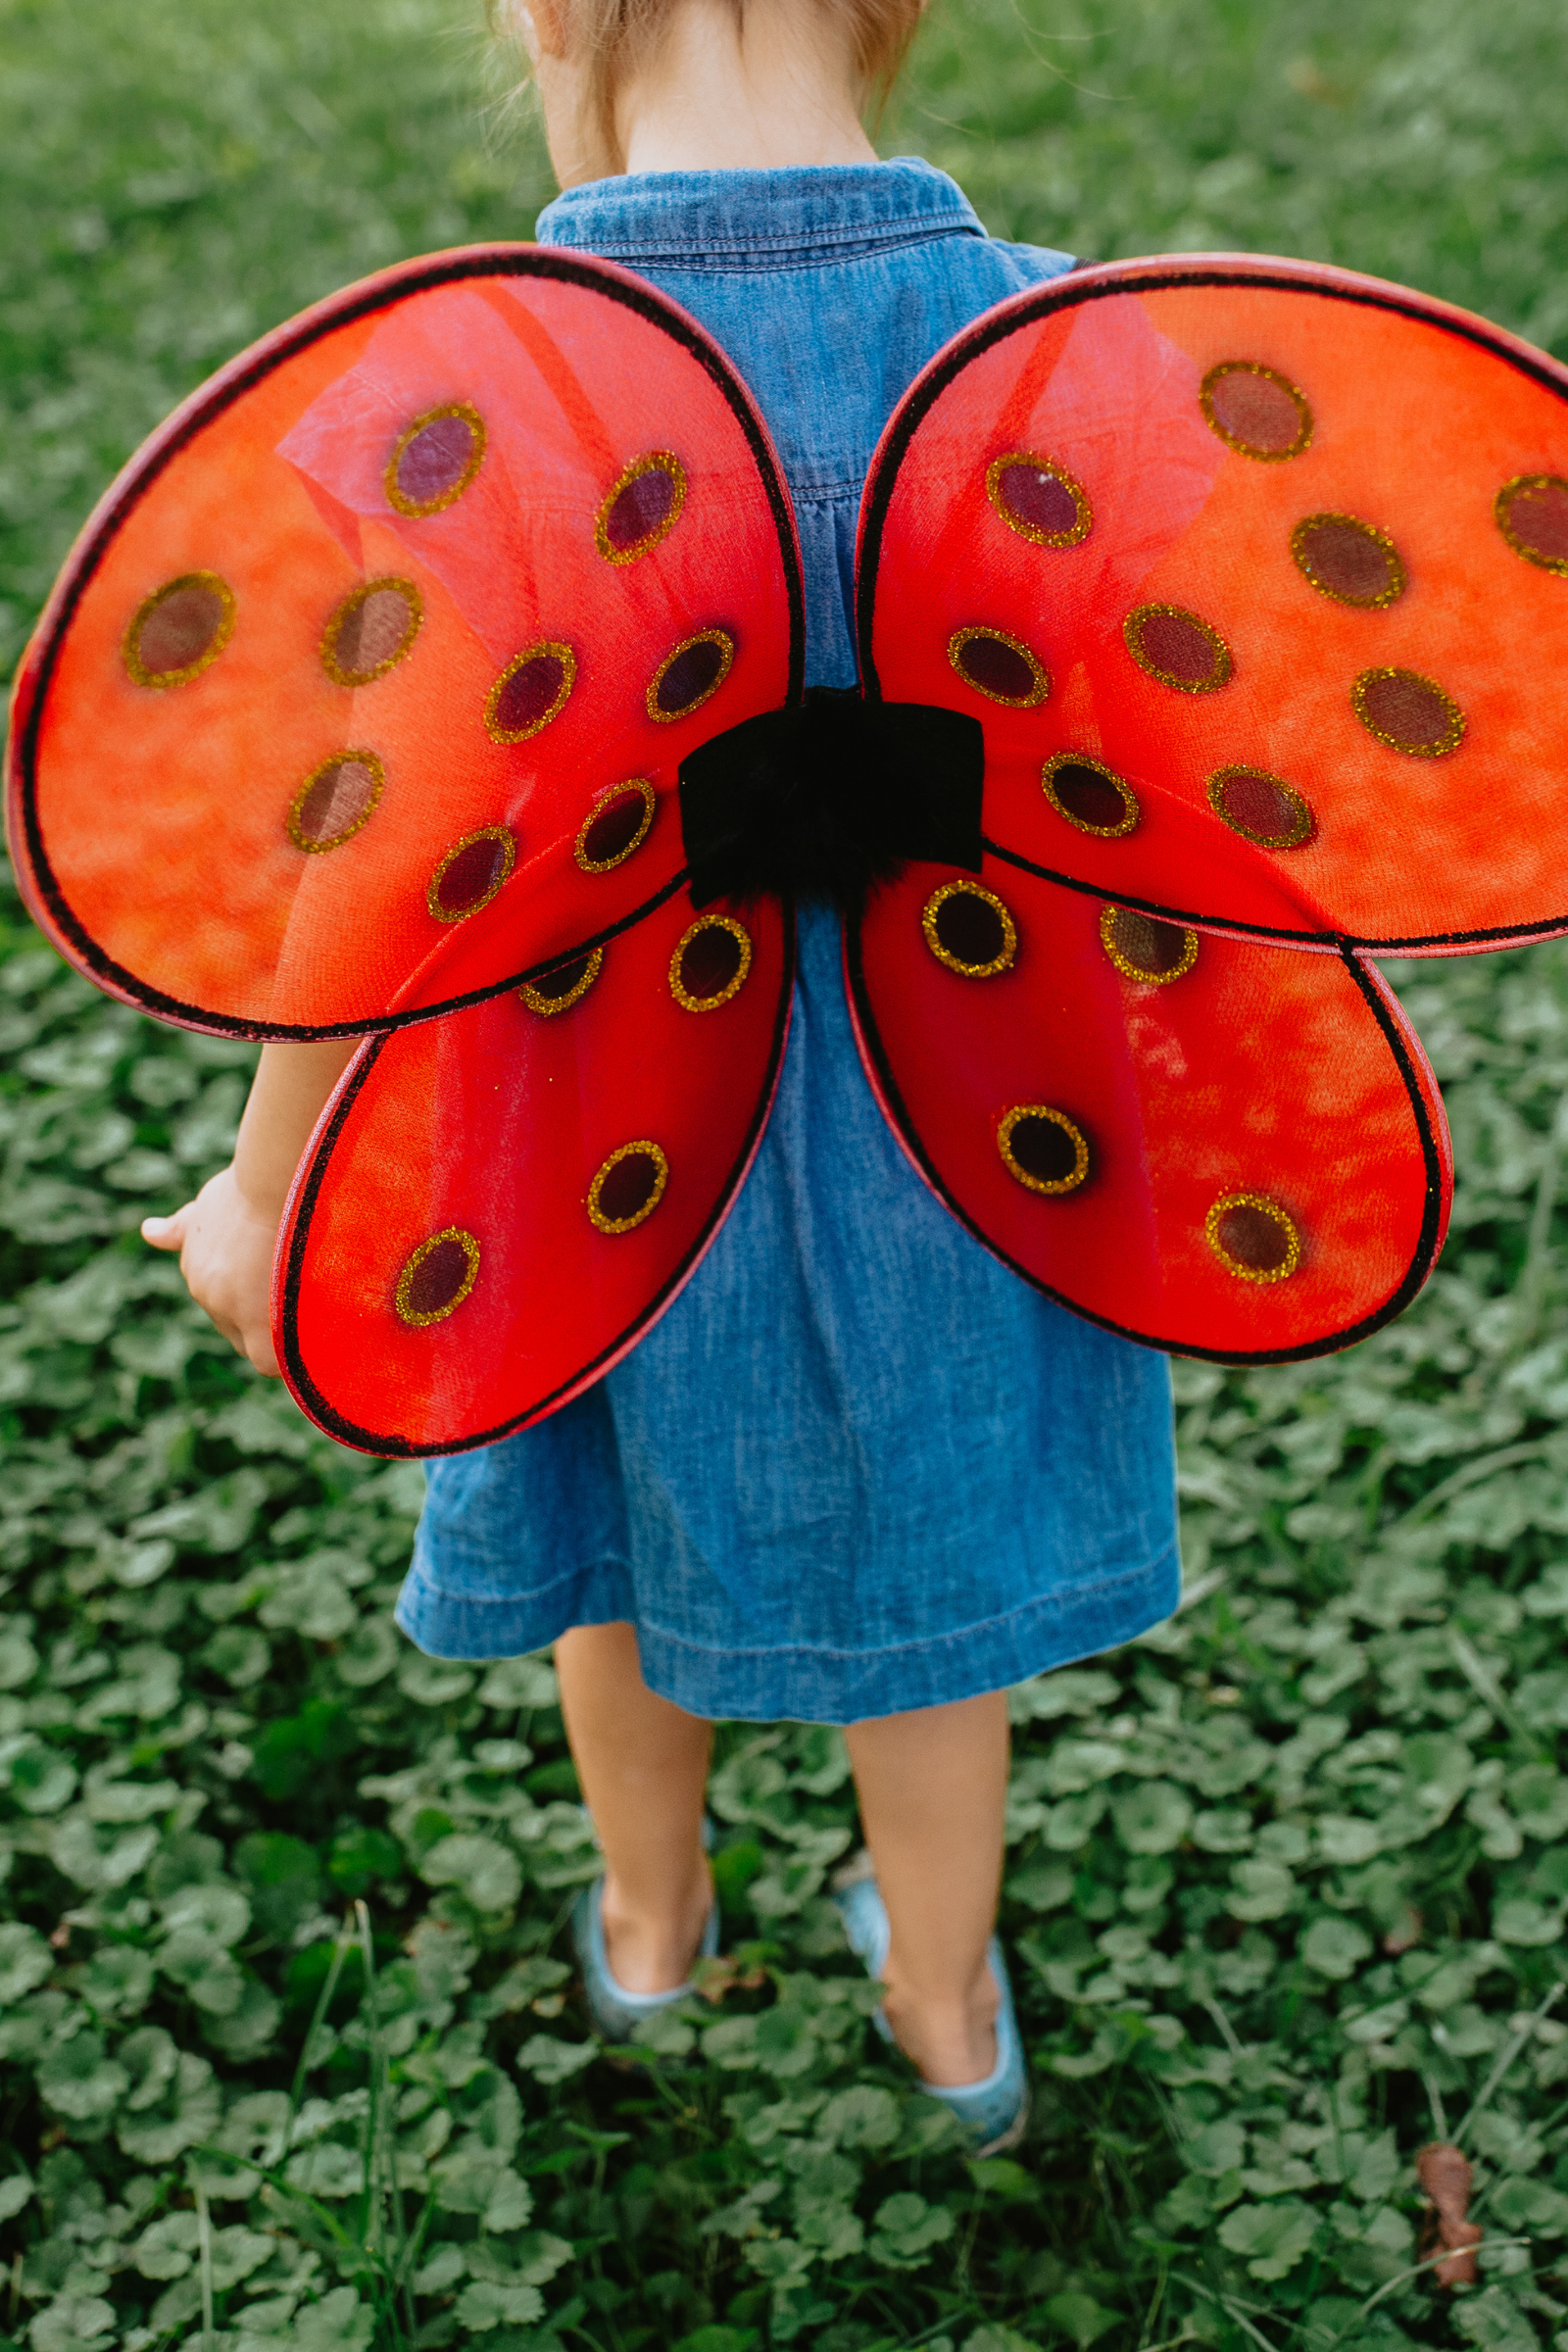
[1178, 648]
[970, 928]
[998, 667]
[640, 510]
[643, 507]
[710, 961]
[1407, 711]
[1043, 1148]
[374, 631]
[1257, 411]
[434, 1283]
[1150, 946]
[1348, 560]
[995, 668]
[628, 1186]
[1262, 808]
[471, 874]
[1253, 1238]
[562, 980]
[1090, 796]
[558, 991]
[336, 801]
[434, 463]
[614, 830]
[528, 696]
[1038, 500]
[1533, 515]
[179, 630]
[691, 675]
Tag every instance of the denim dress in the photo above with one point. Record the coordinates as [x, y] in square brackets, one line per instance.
[859, 1466]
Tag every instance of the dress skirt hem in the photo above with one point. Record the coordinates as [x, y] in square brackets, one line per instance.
[800, 1683]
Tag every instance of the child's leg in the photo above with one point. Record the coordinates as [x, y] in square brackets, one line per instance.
[643, 1765]
[933, 1786]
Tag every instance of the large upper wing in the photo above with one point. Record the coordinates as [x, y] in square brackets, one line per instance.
[411, 611]
[1257, 574]
[498, 1204]
[1215, 1145]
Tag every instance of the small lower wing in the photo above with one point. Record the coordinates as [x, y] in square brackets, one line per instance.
[1212, 1145]
[498, 1204]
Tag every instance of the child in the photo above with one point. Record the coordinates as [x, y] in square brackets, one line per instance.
[860, 1473]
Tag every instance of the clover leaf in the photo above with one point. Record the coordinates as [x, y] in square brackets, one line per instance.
[483, 1870]
[1272, 2238]
[1334, 1947]
[26, 1960]
[908, 2229]
[1152, 1819]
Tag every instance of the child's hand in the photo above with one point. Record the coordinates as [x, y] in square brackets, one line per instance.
[226, 1251]
[227, 1236]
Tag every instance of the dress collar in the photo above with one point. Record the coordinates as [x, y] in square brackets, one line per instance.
[759, 219]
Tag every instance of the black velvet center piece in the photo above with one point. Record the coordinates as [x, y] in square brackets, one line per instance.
[829, 797]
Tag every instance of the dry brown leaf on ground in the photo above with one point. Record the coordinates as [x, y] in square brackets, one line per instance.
[1444, 2172]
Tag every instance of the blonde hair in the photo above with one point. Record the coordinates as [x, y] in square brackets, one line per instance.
[615, 39]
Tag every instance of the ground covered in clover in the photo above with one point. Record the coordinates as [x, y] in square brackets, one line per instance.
[289, 2046]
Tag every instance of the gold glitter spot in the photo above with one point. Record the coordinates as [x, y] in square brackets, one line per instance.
[617, 824]
[970, 930]
[1409, 713]
[470, 873]
[1088, 795]
[1531, 512]
[1045, 1149]
[435, 458]
[370, 632]
[628, 1186]
[437, 1278]
[530, 691]
[1255, 411]
[711, 962]
[1178, 648]
[1146, 950]
[334, 800]
[1253, 1238]
[1260, 807]
[1038, 498]
[686, 677]
[643, 508]
[567, 985]
[179, 630]
[1350, 561]
[998, 667]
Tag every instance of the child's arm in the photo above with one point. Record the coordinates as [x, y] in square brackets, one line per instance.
[226, 1237]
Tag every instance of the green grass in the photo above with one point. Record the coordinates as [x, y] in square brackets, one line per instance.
[1422, 142]
[1286, 1882]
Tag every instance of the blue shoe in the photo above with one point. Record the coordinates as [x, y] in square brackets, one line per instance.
[617, 2013]
[993, 2111]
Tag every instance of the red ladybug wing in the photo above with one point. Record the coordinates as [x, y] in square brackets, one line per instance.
[416, 607]
[1257, 574]
[1209, 1143]
[499, 1204]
